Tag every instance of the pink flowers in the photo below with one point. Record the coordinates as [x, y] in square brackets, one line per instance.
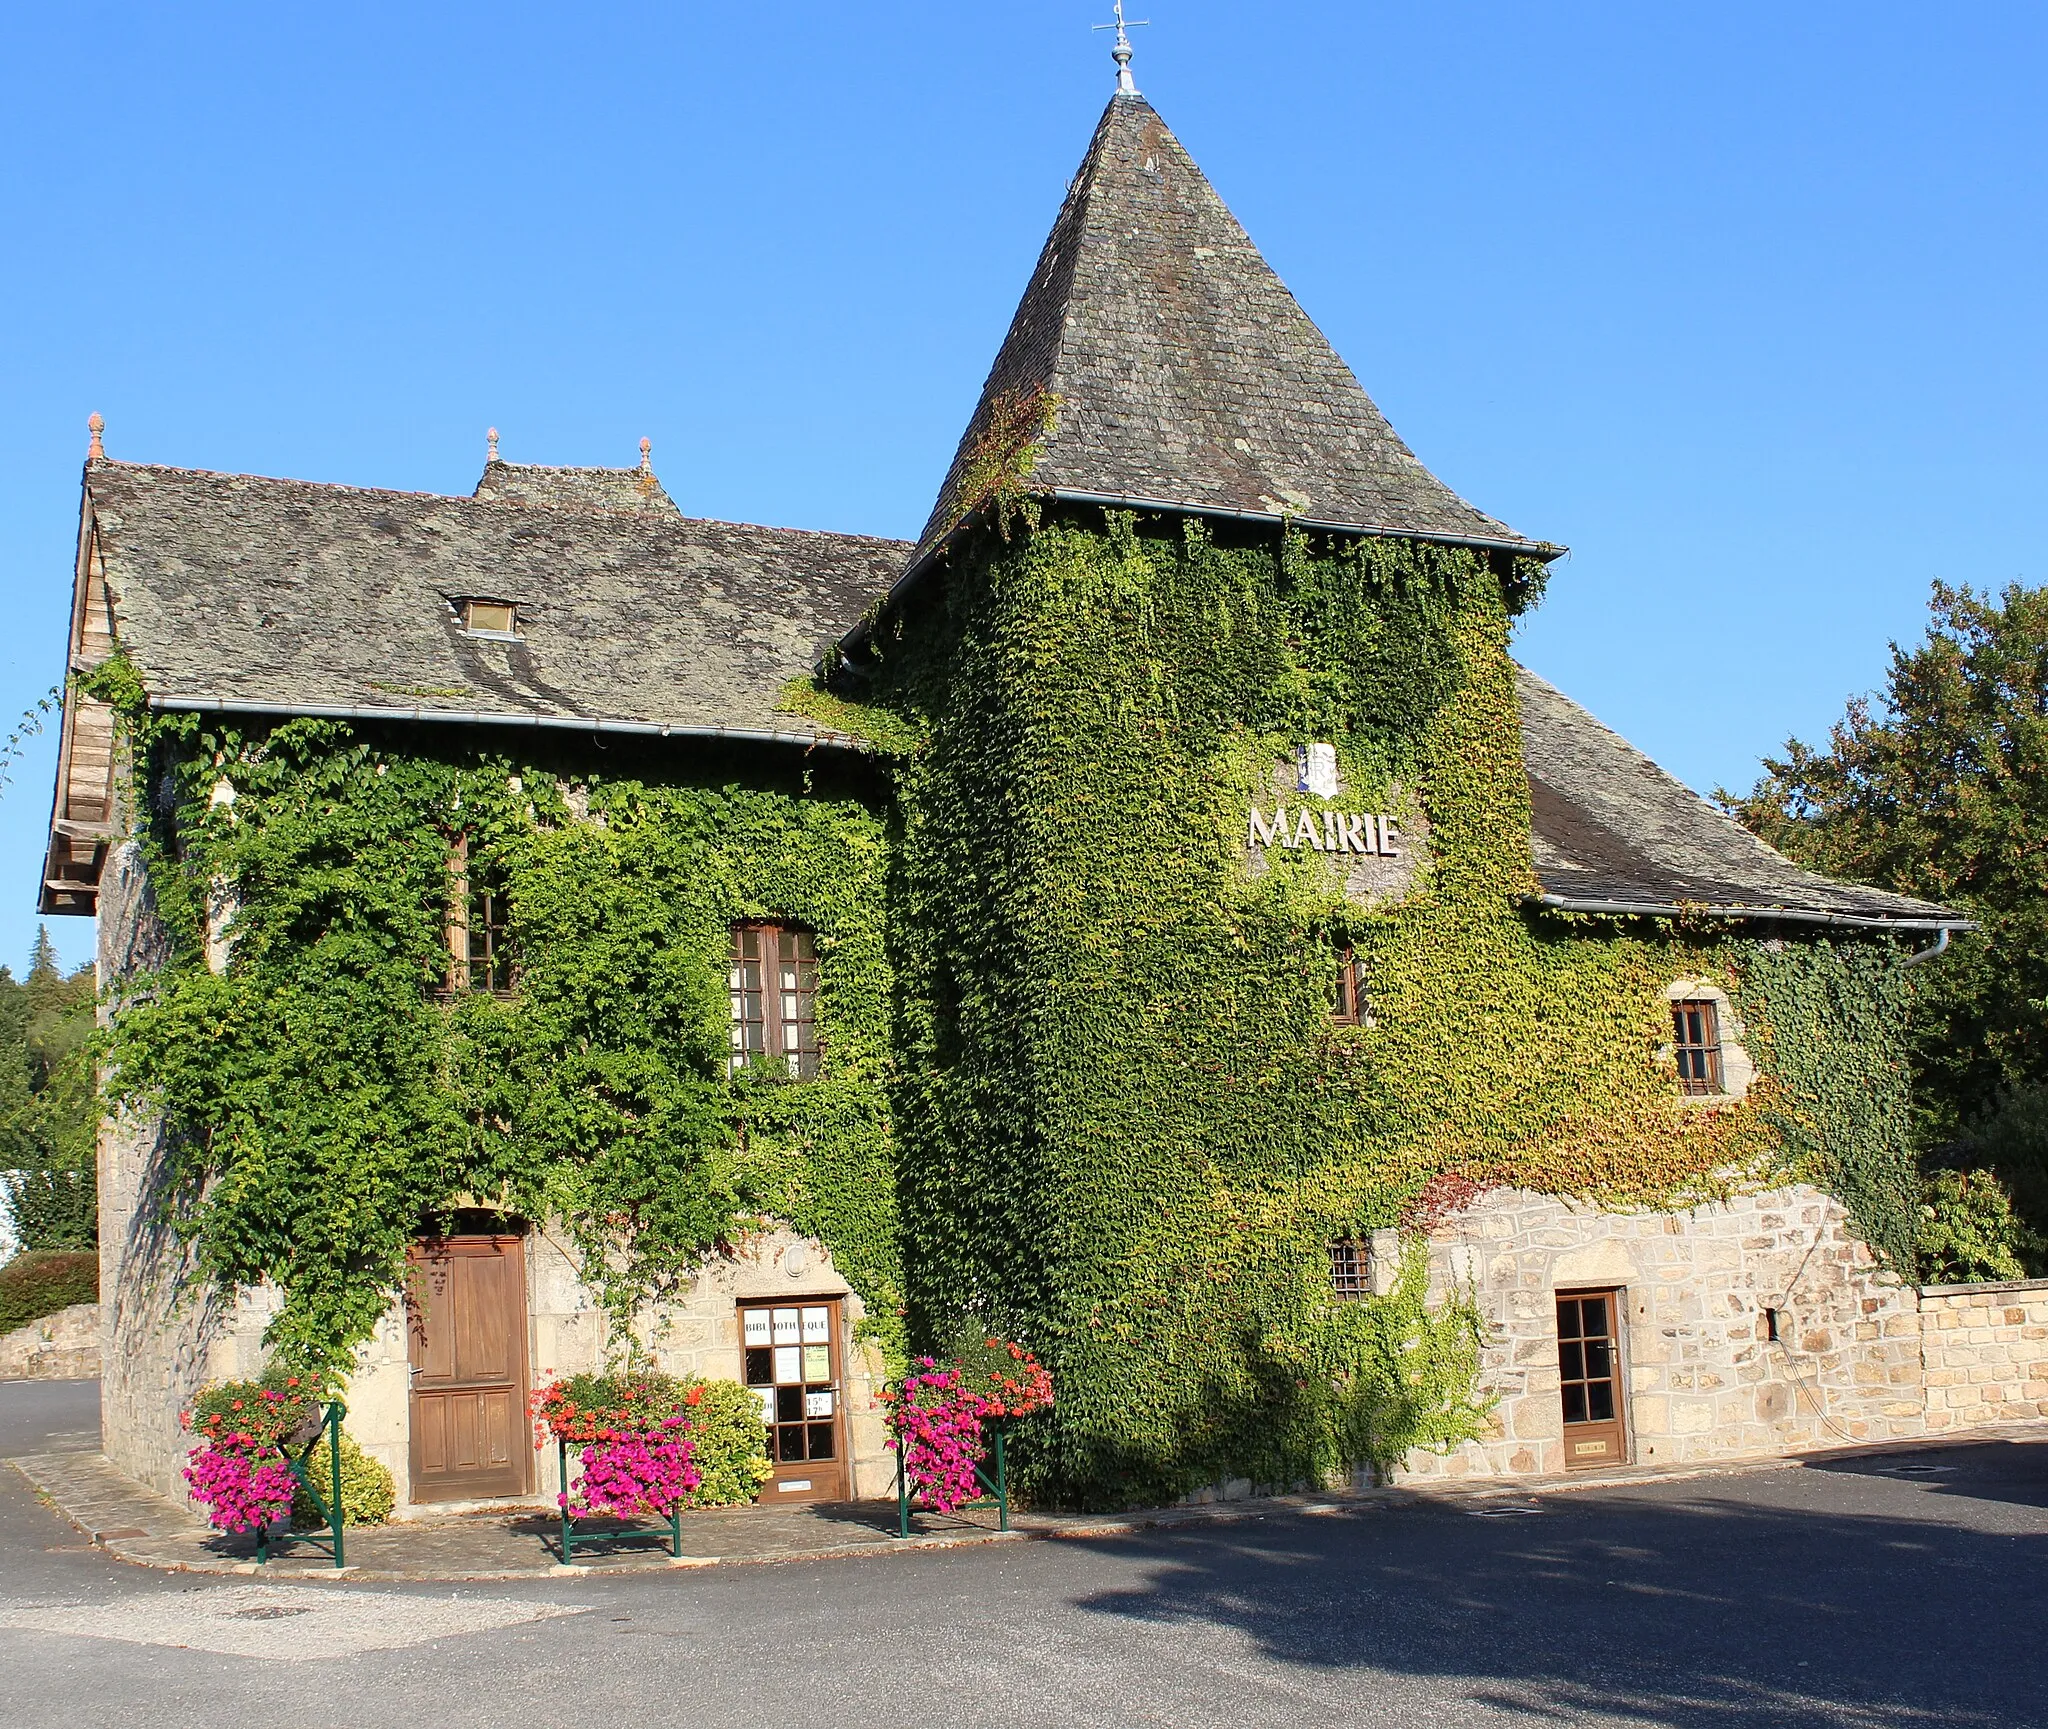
[237, 1492]
[628, 1473]
[938, 1432]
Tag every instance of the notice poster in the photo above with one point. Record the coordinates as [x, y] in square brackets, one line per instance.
[755, 1325]
[817, 1326]
[788, 1370]
[785, 1326]
[818, 1404]
[767, 1404]
[817, 1362]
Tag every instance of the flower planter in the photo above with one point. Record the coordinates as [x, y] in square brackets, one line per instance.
[997, 1487]
[571, 1537]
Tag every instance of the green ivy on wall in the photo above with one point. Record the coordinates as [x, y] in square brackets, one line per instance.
[1128, 1127]
[325, 1104]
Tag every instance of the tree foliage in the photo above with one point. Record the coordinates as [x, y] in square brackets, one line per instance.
[48, 1110]
[1938, 787]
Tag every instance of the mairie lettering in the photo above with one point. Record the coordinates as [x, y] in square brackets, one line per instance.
[1325, 831]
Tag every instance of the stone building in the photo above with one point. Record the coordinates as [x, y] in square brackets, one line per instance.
[1160, 397]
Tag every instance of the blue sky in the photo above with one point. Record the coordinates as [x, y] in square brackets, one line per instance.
[1741, 303]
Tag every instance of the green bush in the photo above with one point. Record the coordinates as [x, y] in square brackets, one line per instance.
[367, 1491]
[2011, 1142]
[42, 1281]
[1969, 1231]
[728, 1443]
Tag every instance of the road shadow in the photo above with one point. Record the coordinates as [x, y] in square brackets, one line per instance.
[1815, 1604]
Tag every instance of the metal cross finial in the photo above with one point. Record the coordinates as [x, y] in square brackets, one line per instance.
[1121, 53]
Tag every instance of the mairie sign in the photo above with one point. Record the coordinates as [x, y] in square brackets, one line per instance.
[1325, 831]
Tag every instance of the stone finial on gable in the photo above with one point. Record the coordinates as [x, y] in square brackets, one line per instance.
[647, 456]
[491, 445]
[96, 423]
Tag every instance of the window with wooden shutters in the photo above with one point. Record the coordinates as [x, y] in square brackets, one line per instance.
[774, 991]
[1696, 1042]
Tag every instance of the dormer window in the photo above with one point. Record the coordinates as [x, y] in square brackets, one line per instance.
[493, 618]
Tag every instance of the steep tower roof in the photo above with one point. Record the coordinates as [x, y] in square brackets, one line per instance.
[1156, 360]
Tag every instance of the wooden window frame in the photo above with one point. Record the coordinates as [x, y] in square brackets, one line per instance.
[498, 962]
[1696, 1046]
[1350, 1008]
[804, 1061]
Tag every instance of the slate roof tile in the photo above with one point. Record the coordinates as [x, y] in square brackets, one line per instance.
[1184, 371]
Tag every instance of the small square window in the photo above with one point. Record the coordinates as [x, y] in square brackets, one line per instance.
[1696, 1041]
[490, 617]
[1350, 1269]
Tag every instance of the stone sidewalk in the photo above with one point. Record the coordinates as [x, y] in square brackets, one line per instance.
[139, 1525]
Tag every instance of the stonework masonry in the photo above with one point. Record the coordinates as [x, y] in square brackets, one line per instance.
[1984, 1350]
[1858, 1356]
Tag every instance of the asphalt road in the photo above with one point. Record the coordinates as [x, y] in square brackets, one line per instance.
[1852, 1595]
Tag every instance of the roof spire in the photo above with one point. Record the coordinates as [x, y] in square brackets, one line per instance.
[95, 423]
[1121, 53]
[491, 445]
[647, 456]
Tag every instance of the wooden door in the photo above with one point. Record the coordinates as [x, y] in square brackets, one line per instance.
[793, 1363]
[467, 1313]
[1589, 1379]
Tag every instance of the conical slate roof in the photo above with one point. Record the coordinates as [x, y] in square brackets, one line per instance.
[1157, 360]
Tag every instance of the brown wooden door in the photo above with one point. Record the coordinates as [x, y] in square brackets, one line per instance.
[792, 1356]
[1589, 1379]
[467, 1313]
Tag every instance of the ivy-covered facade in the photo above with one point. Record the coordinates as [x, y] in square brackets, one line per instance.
[1151, 917]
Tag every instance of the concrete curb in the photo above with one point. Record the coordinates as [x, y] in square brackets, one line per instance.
[139, 1526]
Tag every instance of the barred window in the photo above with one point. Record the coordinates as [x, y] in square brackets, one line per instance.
[774, 991]
[1696, 1040]
[1350, 1268]
[1348, 1008]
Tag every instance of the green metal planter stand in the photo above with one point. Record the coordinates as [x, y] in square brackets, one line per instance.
[998, 1486]
[570, 1538]
[329, 1501]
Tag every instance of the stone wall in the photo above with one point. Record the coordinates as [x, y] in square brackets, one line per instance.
[60, 1347]
[1704, 1379]
[695, 1334]
[1984, 1352]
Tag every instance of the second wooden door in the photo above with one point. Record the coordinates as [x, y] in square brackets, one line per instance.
[1589, 1379]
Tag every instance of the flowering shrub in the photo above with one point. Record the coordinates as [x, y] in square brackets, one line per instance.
[265, 1413]
[239, 1492]
[1010, 1381]
[938, 1432]
[587, 1407]
[938, 1411]
[630, 1473]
